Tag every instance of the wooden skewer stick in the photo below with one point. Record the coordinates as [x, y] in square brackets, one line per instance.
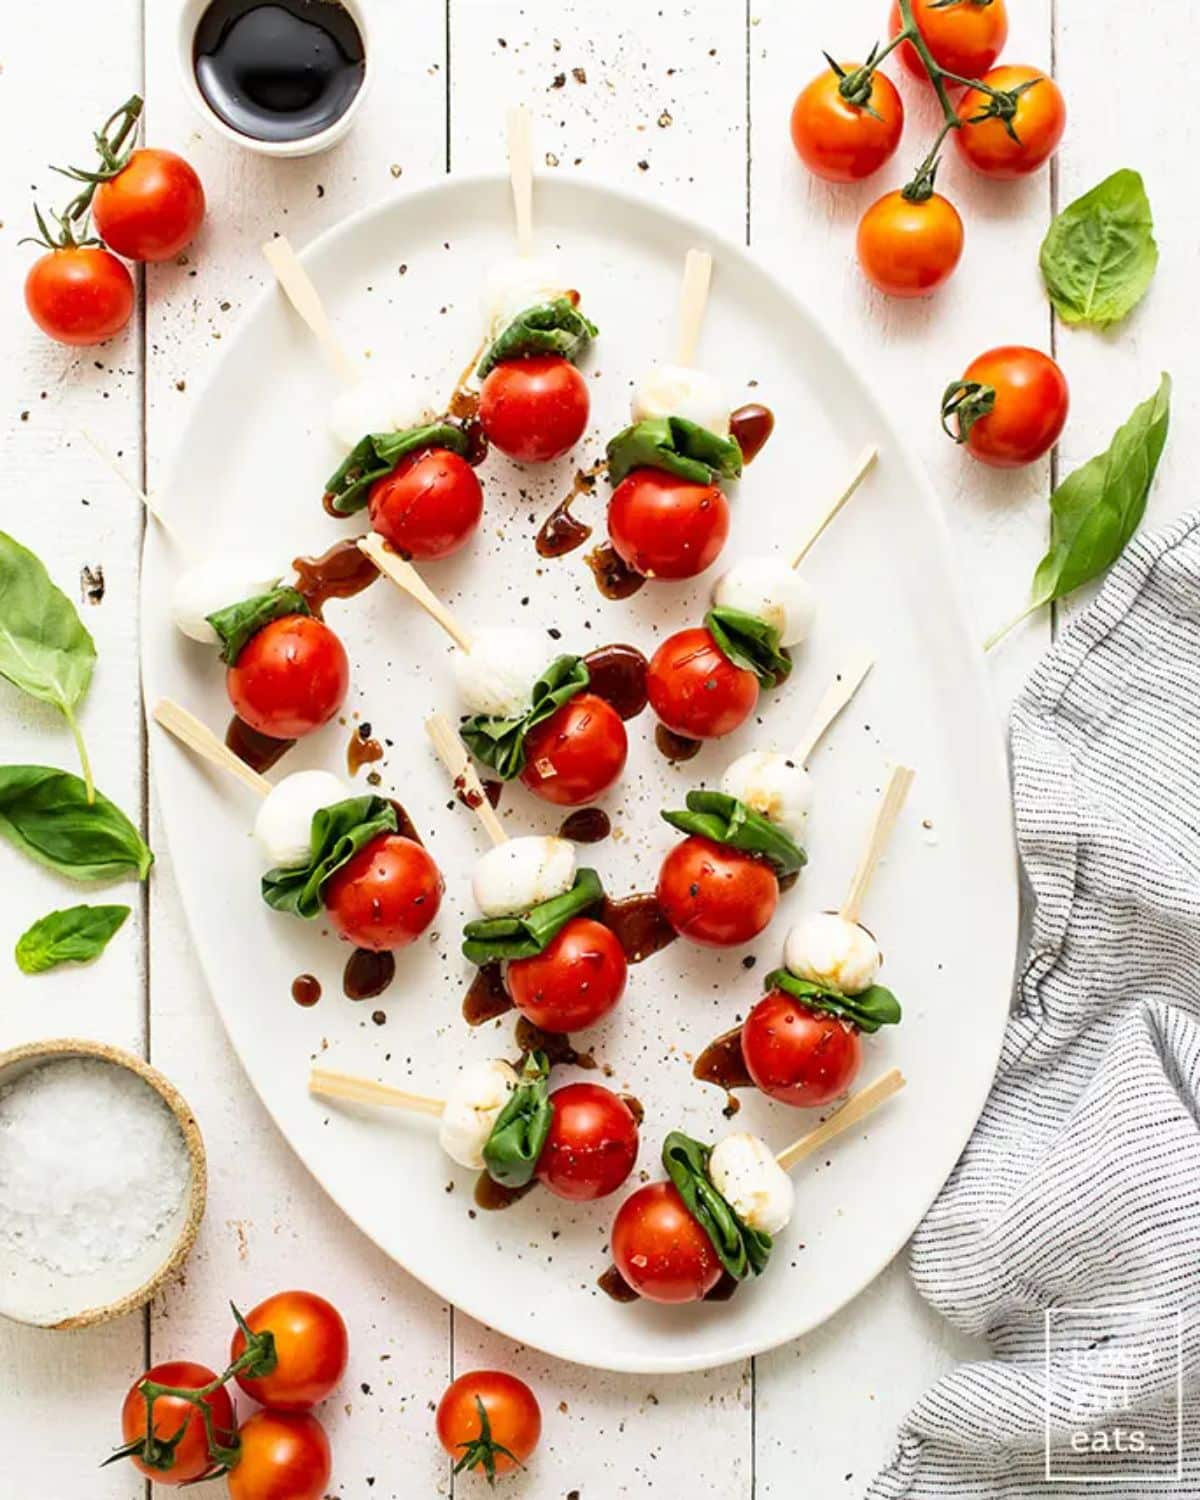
[855, 1109]
[862, 467]
[325, 1084]
[693, 299]
[520, 171]
[200, 739]
[304, 297]
[152, 506]
[881, 831]
[453, 755]
[835, 698]
[409, 581]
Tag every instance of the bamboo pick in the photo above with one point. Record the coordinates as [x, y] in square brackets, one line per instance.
[520, 171]
[200, 739]
[693, 299]
[881, 831]
[834, 699]
[453, 755]
[302, 294]
[152, 506]
[862, 467]
[325, 1084]
[409, 581]
[855, 1109]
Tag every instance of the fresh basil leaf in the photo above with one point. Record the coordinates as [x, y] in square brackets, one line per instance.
[376, 455]
[511, 1152]
[500, 743]
[490, 940]
[1099, 255]
[75, 935]
[556, 327]
[675, 444]
[338, 833]
[725, 820]
[869, 1010]
[236, 623]
[47, 814]
[742, 1251]
[750, 643]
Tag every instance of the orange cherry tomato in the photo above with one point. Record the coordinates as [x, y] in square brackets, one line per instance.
[576, 980]
[386, 895]
[488, 1421]
[284, 1455]
[660, 1250]
[534, 409]
[577, 753]
[964, 36]
[715, 895]
[801, 1057]
[838, 139]
[79, 294]
[909, 247]
[1009, 407]
[592, 1145]
[428, 506]
[190, 1457]
[662, 526]
[1039, 117]
[696, 690]
[311, 1349]
[152, 208]
[290, 677]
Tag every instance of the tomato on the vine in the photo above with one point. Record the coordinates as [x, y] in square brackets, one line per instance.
[662, 526]
[908, 246]
[696, 690]
[577, 753]
[715, 895]
[963, 36]
[428, 506]
[592, 1145]
[1024, 134]
[79, 294]
[152, 208]
[844, 125]
[660, 1250]
[283, 1455]
[290, 677]
[534, 409]
[1009, 407]
[173, 1456]
[386, 895]
[574, 982]
[799, 1056]
[310, 1348]
[488, 1421]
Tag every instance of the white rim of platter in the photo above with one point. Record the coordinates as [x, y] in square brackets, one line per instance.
[402, 282]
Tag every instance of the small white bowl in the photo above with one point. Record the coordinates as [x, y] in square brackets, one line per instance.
[190, 13]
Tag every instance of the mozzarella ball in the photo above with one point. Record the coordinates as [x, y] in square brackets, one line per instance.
[829, 950]
[773, 785]
[214, 585]
[473, 1105]
[515, 285]
[744, 1171]
[769, 588]
[520, 874]
[284, 823]
[678, 391]
[369, 406]
[498, 673]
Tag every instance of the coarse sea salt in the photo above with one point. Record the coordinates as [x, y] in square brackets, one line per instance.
[93, 1166]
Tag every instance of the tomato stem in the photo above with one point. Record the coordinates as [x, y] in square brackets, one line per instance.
[113, 157]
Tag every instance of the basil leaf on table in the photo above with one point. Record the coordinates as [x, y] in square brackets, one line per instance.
[675, 444]
[236, 623]
[872, 1008]
[74, 935]
[45, 649]
[500, 742]
[338, 833]
[377, 455]
[726, 820]
[1099, 255]
[511, 1152]
[556, 327]
[741, 1250]
[489, 940]
[47, 814]
[749, 642]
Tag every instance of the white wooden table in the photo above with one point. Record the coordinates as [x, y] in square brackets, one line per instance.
[685, 101]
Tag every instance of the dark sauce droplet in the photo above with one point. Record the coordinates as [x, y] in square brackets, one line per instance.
[557, 1045]
[722, 1063]
[587, 825]
[635, 1107]
[750, 427]
[724, 1289]
[617, 674]
[639, 925]
[306, 989]
[562, 531]
[614, 578]
[486, 998]
[493, 1196]
[367, 974]
[676, 747]
[340, 573]
[259, 751]
[362, 751]
[614, 1285]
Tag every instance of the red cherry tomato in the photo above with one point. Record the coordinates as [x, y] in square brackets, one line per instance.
[1009, 407]
[841, 141]
[291, 677]
[576, 980]
[576, 753]
[696, 690]
[428, 506]
[1038, 124]
[592, 1145]
[311, 1349]
[909, 248]
[534, 409]
[714, 895]
[660, 1250]
[191, 1457]
[386, 895]
[151, 209]
[799, 1056]
[79, 295]
[964, 37]
[665, 527]
[284, 1456]
[514, 1422]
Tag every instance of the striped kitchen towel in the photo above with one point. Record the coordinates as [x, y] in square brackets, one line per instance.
[1068, 1235]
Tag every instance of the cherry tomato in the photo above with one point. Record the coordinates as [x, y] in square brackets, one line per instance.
[1009, 407]
[386, 895]
[665, 527]
[799, 1056]
[908, 247]
[291, 677]
[1039, 122]
[577, 753]
[284, 1456]
[428, 506]
[151, 209]
[577, 979]
[965, 37]
[79, 295]
[190, 1457]
[534, 409]
[508, 1436]
[311, 1349]
[841, 141]
[714, 895]
[660, 1250]
[592, 1145]
[696, 690]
